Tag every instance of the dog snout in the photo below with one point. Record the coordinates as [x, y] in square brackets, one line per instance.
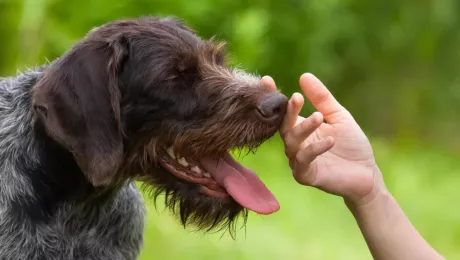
[272, 108]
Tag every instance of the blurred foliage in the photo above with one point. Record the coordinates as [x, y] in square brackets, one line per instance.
[393, 64]
[313, 225]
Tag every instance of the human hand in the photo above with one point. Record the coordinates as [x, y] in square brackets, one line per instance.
[336, 156]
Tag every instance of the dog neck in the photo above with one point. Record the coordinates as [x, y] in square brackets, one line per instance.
[37, 174]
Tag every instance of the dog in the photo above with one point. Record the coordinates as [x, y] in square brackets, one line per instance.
[142, 100]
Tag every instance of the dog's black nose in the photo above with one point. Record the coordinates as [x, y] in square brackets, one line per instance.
[272, 108]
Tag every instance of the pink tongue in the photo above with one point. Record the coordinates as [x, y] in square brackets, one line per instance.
[242, 184]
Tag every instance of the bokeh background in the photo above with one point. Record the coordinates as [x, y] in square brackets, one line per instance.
[394, 64]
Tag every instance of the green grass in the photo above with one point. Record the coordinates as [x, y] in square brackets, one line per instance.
[314, 225]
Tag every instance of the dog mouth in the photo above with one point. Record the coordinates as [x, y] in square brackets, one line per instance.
[222, 178]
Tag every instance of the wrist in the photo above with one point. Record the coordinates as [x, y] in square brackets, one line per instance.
[387, 230]
[377, 195]
[370, 204]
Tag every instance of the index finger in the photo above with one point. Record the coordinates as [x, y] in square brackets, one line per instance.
[291, 118]
[322, 99]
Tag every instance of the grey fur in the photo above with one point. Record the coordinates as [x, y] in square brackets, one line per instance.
[112, 230]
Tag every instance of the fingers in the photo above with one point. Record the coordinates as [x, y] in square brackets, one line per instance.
[294, 138]
[304, 172]
[308, 154]
[269, 82]
[295, 104]
[322, 99]
[291, 119]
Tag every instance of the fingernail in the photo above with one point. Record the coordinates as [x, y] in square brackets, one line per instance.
[316, 113]
[318, 116]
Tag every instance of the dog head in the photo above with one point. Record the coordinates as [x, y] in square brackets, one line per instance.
[148, 99]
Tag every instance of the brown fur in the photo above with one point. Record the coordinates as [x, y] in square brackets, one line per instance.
[132, 88]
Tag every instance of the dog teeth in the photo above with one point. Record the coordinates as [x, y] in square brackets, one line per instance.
[170, 151]
[196, 169]
[207, 175]
[182, 162]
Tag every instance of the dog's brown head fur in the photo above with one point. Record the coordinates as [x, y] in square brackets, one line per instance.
[148, 99]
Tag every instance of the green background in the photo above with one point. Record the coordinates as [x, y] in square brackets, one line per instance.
[394, 64]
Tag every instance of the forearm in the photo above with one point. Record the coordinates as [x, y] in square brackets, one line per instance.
[388, 232]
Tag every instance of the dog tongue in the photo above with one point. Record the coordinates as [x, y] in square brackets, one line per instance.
[242, 184]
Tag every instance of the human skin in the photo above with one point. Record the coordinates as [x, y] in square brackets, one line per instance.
[329, 151]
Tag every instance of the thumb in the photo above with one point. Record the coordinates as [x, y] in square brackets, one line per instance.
[322, 99]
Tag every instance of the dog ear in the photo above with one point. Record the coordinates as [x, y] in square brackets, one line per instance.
[78, 103]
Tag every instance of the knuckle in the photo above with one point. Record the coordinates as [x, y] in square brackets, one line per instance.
[300, 158]
[305, 126]
[313, 148]
[283, 131]
[307, 155]
[302, 178]
[289, 141]
[299, 178]
[294, 137]
[303, 129]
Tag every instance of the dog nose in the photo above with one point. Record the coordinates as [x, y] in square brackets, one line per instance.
[272, 108]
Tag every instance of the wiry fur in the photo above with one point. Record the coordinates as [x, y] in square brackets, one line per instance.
[109, 229]
[76, 133]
